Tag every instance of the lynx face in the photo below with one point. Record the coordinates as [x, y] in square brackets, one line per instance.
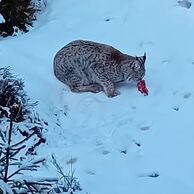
[135, 69]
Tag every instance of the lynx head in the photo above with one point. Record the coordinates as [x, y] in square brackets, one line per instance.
[134, 68]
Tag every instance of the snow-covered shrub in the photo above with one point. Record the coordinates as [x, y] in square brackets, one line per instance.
[13, 96]
[21, 133]
[15, 165]
[16, 145]
[15, 105]
[67, 183]
[18, 15]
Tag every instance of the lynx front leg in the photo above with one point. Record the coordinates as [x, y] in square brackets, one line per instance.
[108, 87]
[94, 88]
[100, 77]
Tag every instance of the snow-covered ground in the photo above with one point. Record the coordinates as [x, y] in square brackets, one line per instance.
[2, 19]
[129, 143]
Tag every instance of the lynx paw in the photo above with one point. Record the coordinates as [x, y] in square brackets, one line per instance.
[113, 94]
[96, 88]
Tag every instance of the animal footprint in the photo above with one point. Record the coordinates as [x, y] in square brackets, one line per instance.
[184, 3]
[176, 108]
[90, 172]
[187, 95]
[151, 175]
[145, 128]
[145, 125]
[165, 61]
[107, 20]
[124, 151]
[106, 152]
[71, 161]
[137, 143]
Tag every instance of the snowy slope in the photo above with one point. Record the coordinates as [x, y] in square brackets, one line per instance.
[117, 144]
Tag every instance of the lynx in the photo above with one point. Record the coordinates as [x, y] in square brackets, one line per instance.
[87, 66]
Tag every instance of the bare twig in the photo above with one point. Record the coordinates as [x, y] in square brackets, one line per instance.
[31, 167]
[11, 155]
[18, 112]
[29, 187]
[8, 149]
[22, 141]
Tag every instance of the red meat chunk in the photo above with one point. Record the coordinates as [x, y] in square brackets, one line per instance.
[141, 85]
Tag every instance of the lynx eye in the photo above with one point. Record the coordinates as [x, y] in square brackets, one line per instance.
[135, 66]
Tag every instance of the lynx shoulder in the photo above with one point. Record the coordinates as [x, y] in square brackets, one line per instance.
[87, 66]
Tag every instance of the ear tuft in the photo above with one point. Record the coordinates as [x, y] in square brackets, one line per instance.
[144, 57]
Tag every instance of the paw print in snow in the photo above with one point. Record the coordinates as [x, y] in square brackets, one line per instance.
[151, 175]
[186, 95]
[184, 3]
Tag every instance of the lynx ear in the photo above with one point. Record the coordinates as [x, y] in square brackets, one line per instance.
[144, 57]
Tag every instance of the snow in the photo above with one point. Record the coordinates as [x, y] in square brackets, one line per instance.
[2, 20]
[5, 188]
[115, 144]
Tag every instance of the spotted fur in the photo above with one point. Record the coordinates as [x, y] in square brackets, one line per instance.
[87, 66]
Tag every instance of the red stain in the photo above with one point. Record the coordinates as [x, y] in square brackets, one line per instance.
[141, 85]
